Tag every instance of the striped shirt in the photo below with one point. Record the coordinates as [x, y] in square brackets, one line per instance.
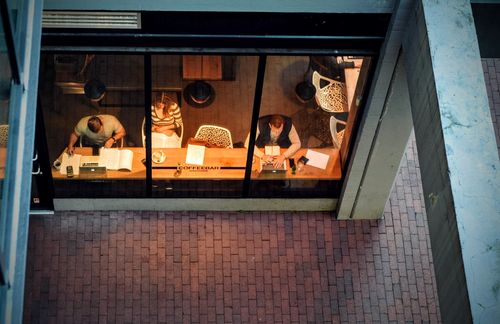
[172, 117]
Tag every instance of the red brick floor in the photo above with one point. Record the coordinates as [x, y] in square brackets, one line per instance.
[200, 267]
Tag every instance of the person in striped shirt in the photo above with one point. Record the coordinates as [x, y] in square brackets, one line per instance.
[166, 116]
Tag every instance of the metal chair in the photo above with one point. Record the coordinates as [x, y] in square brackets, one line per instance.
[160, 140]
[332, 97]
[215, 135]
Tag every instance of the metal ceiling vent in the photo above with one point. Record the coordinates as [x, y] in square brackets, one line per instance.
[85, 19]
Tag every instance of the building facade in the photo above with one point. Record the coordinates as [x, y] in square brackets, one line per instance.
[415, 64]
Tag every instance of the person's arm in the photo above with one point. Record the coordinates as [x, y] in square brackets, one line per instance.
[258, 153]
[294, 147]
[177, 116]
[117, 135]
[73, 137]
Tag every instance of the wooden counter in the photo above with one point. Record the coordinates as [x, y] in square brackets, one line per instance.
[3, 161]
[219, 163]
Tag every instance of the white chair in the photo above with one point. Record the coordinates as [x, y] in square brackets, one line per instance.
[4, 135]
[332, 97]
[160, 140]
[337, 136]
[215, 135]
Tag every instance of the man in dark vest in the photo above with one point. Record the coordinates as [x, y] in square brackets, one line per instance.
[275, 130]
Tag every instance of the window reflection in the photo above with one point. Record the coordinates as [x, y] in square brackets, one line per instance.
[214, 96]
[199, 123]
[93, 101]
[5, 82]
[306, 113]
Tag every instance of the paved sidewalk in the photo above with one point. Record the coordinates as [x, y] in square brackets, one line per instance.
[199, 267]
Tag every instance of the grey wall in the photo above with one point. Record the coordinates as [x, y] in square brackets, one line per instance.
[458, 158]
[325, 6]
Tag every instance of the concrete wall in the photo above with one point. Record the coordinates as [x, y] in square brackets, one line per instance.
[458, 157]
[322, 6]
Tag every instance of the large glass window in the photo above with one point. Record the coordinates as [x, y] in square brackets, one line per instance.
[5, 87]
[5, 84]
[91, 101]
[201, 102]
[303, 122]
[193, 114]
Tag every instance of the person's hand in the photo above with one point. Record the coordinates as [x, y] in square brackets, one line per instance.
[109, 143]
[278, 161]
[70, 150]
[267, 158]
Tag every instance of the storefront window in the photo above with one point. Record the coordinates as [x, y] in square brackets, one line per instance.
[199, 132]
[90, 101]
[5, 83]
[198, 122]
[303, 123]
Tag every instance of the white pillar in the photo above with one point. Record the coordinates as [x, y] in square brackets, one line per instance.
[458, 158]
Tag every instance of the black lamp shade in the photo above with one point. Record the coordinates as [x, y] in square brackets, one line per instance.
[199, 94]
[305, 91]
[94, 89]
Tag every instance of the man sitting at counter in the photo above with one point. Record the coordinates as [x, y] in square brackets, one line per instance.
[275, 130]
[101, 130]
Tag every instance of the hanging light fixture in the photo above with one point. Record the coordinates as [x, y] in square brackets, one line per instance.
[305, 91]
[199, 94]
[94, 89]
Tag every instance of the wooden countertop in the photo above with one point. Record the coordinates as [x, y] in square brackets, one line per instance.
[3, 161]
[219, 163]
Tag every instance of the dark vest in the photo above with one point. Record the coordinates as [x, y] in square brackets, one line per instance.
[264, 137]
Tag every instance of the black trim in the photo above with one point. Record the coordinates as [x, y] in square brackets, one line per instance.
[202, 43]
[487, 28]
[259, 85]
[264, 23]
[3, 271]
[250, 32]
[148, 90]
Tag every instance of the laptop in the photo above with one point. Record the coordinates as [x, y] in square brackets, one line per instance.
[269, 171]
[90, 167]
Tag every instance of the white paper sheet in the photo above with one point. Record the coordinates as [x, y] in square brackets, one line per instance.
[195, 154]
[316, 159]
[273, 150]
[73, 160]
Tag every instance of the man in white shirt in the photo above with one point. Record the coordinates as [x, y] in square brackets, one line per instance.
[101, 130]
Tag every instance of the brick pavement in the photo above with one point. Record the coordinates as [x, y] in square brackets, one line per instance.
[491, 68]
[248, 267]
